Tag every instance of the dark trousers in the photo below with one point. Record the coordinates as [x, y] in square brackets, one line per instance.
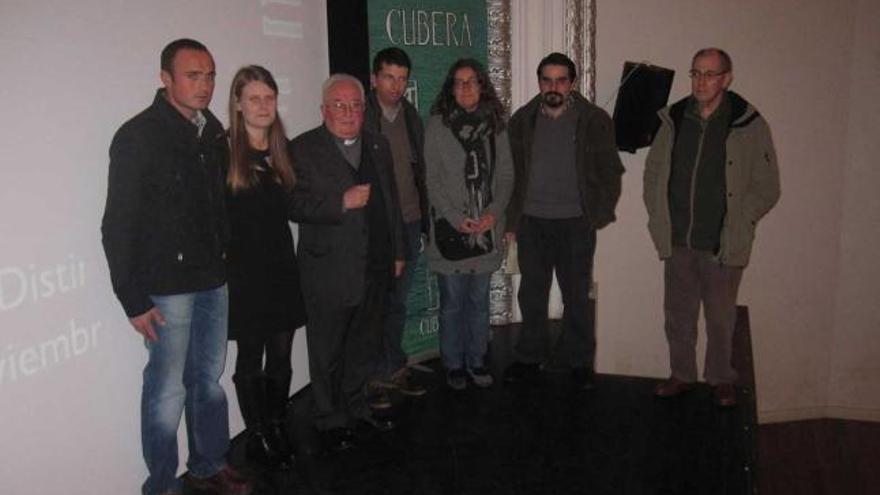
[395, 320]
[566, 245]
[690, 278]
[345, 343]
[275, 346]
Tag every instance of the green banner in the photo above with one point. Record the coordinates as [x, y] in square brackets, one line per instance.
[422, 304]
[434, 34]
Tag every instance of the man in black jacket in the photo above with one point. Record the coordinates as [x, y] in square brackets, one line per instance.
[389, 113]
[164, 234]
[567, 186]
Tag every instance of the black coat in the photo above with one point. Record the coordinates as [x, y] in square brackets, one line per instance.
[416, 132]
[264, 290]
[164, 227]
[332, 243]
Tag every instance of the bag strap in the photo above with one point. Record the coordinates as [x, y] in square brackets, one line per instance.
[491, 157]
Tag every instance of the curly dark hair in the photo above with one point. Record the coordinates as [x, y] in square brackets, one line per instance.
[445, 104]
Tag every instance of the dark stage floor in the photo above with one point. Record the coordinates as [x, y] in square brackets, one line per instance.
[535, 438]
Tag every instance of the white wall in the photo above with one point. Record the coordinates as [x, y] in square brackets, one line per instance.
[854, 384]
[811, 69]
[788, 60]
[73, 72]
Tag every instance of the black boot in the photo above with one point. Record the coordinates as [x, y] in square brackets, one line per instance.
[251, 392]
[277, 395]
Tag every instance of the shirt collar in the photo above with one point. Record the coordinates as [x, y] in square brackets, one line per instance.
[199, 120]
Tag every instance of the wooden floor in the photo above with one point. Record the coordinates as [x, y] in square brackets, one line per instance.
[618, 439]
[819, 457]
[541, 437]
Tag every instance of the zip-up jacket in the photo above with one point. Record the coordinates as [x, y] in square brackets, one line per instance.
[415, 129]
[597, 161]
[751, 180]
[164, 228]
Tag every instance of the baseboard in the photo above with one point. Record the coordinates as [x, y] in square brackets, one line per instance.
[853, 413]
[820, 412]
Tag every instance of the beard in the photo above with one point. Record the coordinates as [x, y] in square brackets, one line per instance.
[553, 99]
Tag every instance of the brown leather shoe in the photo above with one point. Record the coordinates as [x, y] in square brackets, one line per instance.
[402, 382]
[227, 481]
[377, 398]
[725, 395]
[673, 387]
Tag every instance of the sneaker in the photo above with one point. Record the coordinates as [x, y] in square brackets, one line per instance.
[456, 379]
[401, 381]
[480, 376]
[227, 481]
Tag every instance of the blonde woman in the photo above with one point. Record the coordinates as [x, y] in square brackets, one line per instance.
[265, 301]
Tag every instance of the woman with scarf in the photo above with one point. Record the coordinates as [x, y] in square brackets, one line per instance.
[265, 301]
[469, 180]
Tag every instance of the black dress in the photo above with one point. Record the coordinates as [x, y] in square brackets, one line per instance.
[263, 275]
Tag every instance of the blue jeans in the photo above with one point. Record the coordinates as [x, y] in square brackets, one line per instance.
[395, 319]
[182, 374]
[464, 319]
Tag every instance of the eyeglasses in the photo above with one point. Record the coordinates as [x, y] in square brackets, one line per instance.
[465, 83]
[341, 106]
[709, 74]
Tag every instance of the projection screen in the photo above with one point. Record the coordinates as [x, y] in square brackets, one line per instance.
[73, 71]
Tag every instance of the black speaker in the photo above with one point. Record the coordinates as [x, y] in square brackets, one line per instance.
[644, 89]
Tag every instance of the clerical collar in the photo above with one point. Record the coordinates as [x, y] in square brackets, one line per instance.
[348, 148]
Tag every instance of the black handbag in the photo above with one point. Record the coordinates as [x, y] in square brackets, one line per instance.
[454, 245]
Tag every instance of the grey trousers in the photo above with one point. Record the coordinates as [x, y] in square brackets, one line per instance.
[690, 278]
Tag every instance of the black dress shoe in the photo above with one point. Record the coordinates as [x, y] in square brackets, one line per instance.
[583, 378]
[521, 372]
[262, 450]
[377, 423]
[282, 452]
[337, 439]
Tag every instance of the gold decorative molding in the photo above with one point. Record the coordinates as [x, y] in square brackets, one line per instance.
[580, 42]
[499, 48]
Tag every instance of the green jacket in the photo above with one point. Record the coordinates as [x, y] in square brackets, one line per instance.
[598, 163]
[751, 174]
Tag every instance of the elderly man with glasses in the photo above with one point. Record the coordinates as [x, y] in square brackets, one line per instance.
[350, 248]
[710, 175]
